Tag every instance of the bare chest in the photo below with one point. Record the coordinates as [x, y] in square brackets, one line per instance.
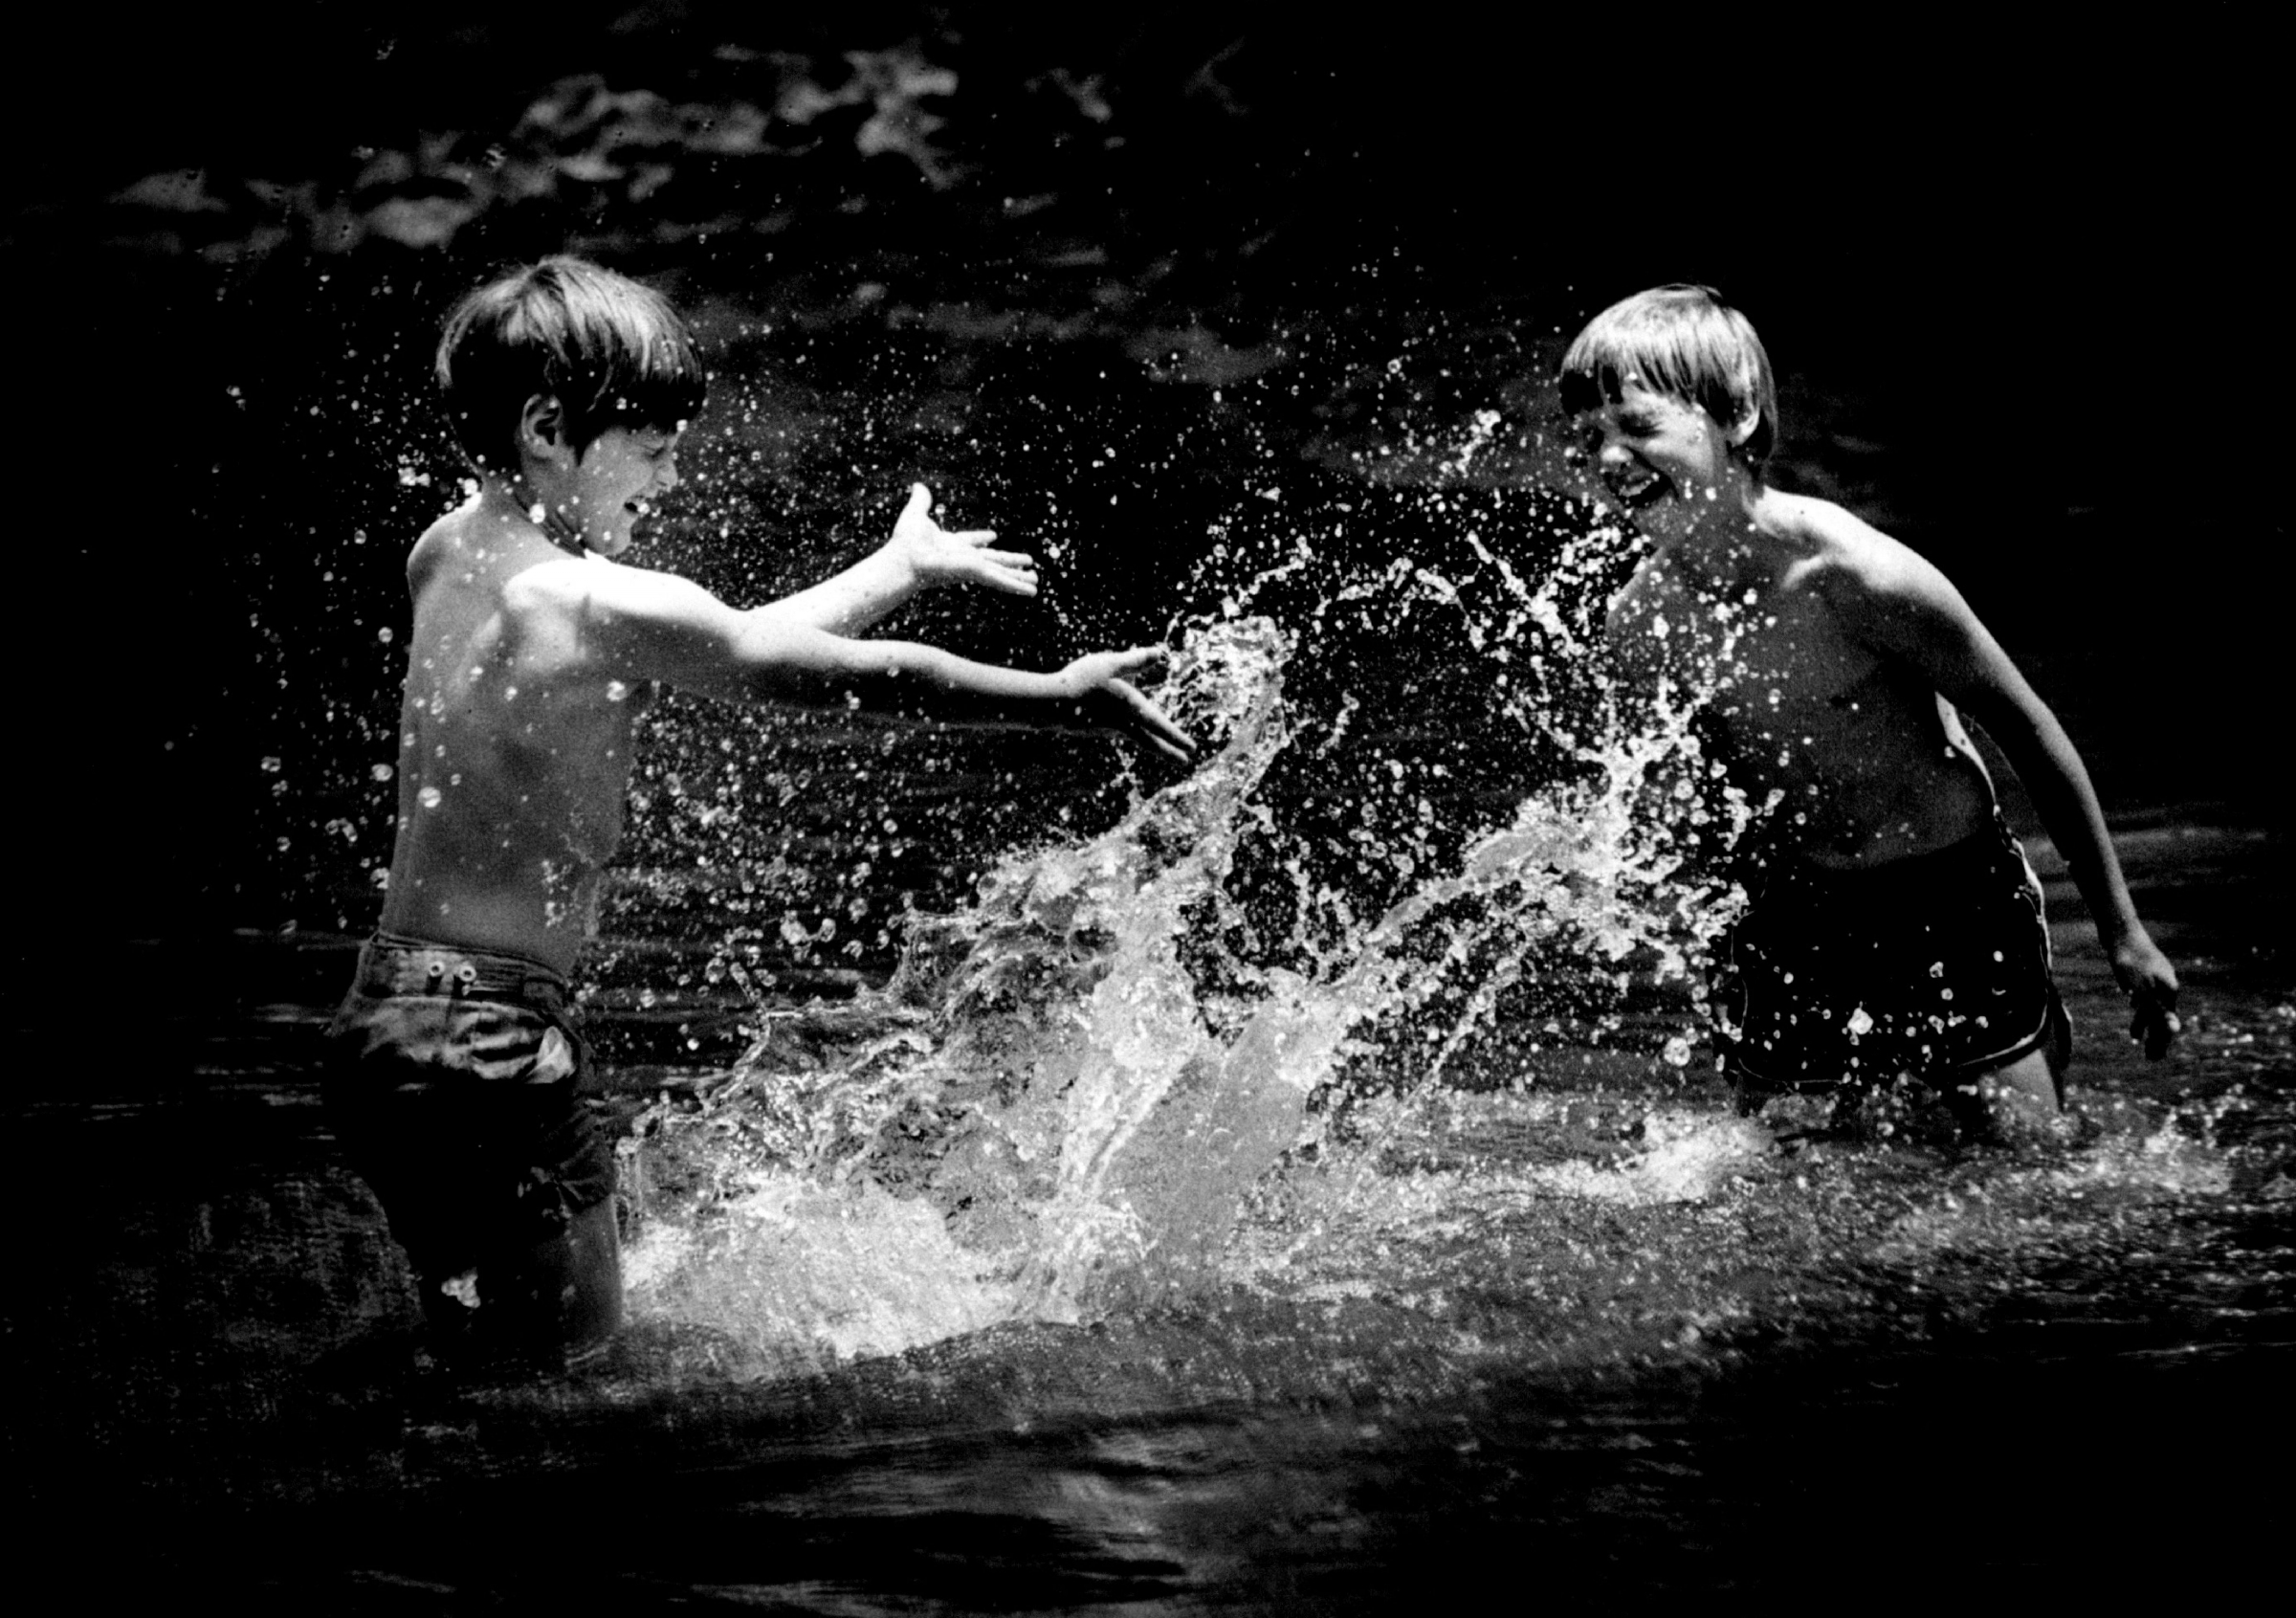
[1784, 653]
[1791, 696]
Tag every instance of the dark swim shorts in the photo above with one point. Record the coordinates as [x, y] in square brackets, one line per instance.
[1935, 966]
[456, 1081]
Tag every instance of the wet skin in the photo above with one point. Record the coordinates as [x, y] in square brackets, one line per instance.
[1832, 664]
[532, 650]
[1737, 607]
[514, 761]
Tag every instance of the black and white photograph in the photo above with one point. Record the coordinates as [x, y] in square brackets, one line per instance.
[925, 808]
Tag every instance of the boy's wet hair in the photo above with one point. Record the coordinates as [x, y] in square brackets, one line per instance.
[1680, 340]
[612, 351]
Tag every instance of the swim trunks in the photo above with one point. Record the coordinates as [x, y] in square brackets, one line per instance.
[1934, 966]
[456, 1081]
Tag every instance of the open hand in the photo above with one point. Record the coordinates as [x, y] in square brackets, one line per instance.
[937, 557]
[2150, 983]
[1109, 700]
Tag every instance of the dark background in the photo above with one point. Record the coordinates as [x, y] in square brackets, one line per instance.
[2015, 278]
[2018, 284]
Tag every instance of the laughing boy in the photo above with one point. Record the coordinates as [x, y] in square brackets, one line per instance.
[457, 1071]
[1894, 932]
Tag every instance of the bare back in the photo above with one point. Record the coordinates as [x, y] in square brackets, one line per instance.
[1867, 763]
[515, 745]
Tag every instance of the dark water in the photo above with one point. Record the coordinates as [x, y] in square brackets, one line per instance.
[1503, 1345]
[1565, 1327]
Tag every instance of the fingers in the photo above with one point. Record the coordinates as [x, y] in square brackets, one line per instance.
[1149, 721]
[1011, 580]
[2153, 1026]
[1167, 739]
[1102, 672]
[1140, 660]
[919, 506]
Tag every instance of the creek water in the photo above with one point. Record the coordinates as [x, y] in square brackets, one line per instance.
[1299, 1186]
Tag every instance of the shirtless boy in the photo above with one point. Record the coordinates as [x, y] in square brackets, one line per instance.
[1894, 929]
[456, 1071]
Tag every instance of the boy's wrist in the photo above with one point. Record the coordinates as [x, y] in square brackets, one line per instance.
[2115, 931]
[908, 578]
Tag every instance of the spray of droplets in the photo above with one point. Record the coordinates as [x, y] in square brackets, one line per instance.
[1084, 1072]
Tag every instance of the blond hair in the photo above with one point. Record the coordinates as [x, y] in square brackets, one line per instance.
[1682, 341]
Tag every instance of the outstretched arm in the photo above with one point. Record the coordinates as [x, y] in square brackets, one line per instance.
[920, 555]
[655, 626]
[1915, 612]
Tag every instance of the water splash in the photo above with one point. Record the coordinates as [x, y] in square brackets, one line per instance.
[1064, 1097]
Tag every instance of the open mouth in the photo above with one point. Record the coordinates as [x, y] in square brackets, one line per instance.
[1635, 492]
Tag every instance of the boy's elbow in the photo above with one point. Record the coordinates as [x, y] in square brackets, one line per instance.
[2031, 737]
[2024, 719]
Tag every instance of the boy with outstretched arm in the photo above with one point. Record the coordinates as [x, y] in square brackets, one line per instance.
[1894, 929]
[456, 1070]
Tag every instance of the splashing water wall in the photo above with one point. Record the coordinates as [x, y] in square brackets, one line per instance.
[1069, 1092]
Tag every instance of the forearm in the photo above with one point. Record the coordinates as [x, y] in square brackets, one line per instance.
[655, 626]
[905, 679]
[1908, 610]
[2054, 777]
[851, 602]
[2053, 774]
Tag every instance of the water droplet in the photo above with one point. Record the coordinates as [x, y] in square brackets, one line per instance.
[428, 797]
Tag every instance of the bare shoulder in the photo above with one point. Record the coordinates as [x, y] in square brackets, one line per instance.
[601, 590]
[634, 623]
[1883, 593]
[435, 545]
[1849, 561]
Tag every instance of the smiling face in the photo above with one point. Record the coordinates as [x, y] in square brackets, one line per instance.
[623, 472]
[604, 493]
[1664, 462]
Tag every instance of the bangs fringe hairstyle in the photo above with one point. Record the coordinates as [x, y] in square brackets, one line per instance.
[1680, 340]
[614, 352]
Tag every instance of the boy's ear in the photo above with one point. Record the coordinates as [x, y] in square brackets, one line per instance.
[542, 425]
[1741, 430]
